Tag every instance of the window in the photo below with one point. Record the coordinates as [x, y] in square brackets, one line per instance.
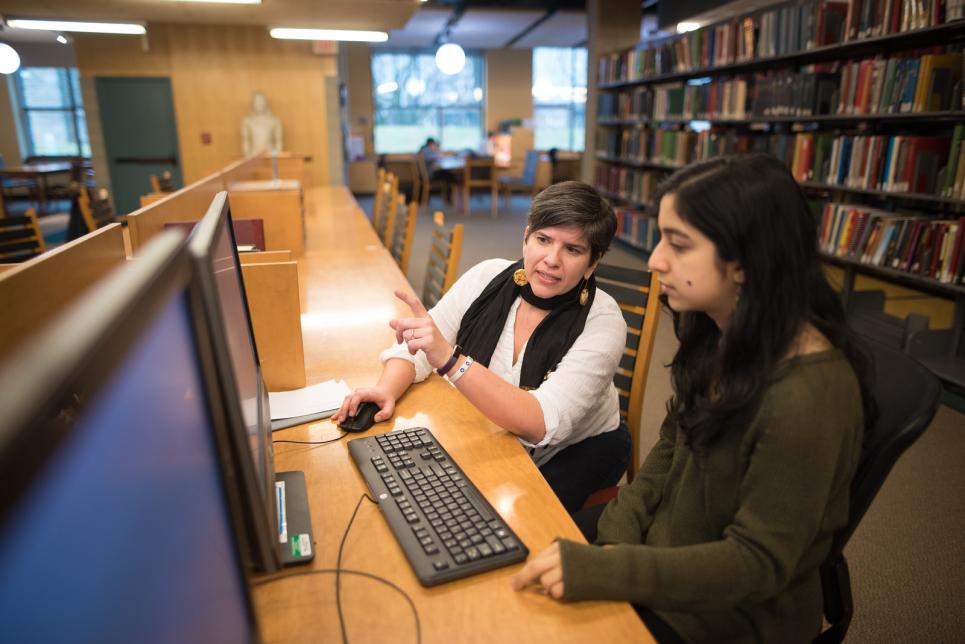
[52, 113]
[559, 97]
[414, 100]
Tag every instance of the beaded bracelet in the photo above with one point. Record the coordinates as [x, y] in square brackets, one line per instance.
[463, 368]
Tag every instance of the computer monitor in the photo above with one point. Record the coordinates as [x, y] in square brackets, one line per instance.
[275, 503]
[116, 524]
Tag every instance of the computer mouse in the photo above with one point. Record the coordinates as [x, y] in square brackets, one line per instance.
[363, 419]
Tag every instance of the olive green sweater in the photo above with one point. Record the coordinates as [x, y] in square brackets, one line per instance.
[725, 545]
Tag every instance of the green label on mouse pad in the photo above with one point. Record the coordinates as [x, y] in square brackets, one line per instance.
[301, 545]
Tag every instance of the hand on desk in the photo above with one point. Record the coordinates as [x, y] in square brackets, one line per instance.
[545, 569]
[420, 332]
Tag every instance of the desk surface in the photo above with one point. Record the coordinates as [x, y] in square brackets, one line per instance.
[347, 278]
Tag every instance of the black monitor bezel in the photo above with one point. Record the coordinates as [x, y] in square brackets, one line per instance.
[78, 351]
[258, 502]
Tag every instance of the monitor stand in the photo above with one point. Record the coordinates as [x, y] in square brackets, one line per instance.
[296, 543]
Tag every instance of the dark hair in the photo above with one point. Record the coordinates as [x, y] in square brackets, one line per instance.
[429, 141]
[575, 204]
[755, 213]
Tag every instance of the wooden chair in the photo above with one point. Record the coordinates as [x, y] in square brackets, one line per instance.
[480, 173]
[390, 194]
[164, 183]
[445, 248]
[392, 214]
[637, 292]
[404, 231]
[20, 237]
[525, 183]
[97, 212]
[445, 188]
[377, 198]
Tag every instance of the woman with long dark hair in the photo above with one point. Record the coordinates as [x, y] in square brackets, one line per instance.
[720, 535]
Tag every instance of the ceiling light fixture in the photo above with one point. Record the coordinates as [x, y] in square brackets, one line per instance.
[62, 39]
[9, 59]
[684, 27]
[84, 27]
[289, 33]
[450, 58]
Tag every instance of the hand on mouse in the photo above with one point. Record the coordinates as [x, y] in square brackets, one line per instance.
[351, 404]
[420, 332]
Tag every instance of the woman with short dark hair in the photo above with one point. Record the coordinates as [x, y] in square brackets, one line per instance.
[533, 344]
[720, 535]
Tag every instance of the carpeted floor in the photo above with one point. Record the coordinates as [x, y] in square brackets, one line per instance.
[907, 557]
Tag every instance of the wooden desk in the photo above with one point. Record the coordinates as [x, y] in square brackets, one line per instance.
[347, 301]
[38, 173]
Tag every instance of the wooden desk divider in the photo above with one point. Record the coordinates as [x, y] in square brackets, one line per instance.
[151, 197]
[275, 308]
[281, 211]
[37, 290]
[187, 204]
[266, 257]
[258, 168]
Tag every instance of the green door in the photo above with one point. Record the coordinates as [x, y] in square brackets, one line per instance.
[137, 118]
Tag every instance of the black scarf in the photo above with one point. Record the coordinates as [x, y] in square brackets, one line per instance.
[484, 321]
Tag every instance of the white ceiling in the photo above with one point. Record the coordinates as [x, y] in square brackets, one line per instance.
[408, 24]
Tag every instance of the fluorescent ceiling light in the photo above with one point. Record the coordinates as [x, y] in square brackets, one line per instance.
[684, 27]
[86, 27]
[288, 33]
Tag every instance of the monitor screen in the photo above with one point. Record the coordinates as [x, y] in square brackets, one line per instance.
[241, 346]
[124, 533]
[218, 272]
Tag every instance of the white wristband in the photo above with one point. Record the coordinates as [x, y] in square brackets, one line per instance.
[463, 368]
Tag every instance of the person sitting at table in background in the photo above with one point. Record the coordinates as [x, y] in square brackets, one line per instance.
[431, 154]
[721, 533]
[533, 344]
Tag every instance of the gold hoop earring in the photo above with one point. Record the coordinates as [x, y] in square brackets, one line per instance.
[519, 277]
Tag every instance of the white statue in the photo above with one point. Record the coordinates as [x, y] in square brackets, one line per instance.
[260, 129]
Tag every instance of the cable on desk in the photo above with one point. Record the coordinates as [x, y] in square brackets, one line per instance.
[331, 440]
[338, 567]
[349, 571]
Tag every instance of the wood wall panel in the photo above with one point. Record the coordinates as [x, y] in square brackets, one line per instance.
[214, 71]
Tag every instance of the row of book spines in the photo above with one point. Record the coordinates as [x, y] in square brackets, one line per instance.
[674, 147]
[930, 83]
[889, 164]
[741, 40]
[922, 246]
[637, 228]
[628, 183]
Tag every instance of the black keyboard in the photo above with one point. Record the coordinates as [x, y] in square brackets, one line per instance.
[446, 528]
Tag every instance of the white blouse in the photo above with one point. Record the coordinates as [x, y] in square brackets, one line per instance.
[578, 399]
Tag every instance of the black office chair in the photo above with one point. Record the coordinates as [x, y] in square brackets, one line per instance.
[908, 396]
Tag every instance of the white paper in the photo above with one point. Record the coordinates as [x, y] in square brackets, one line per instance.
[325, 396]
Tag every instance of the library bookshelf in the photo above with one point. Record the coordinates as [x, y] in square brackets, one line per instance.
[863, 99]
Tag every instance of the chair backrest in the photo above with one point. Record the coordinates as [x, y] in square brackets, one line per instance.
[390, 191]
[907, 395]
[480, 172]
[377, 199]
[392, 215]
[445, 249]
[530, 166]
[405, 221]
[96, 212]
[637, 293]
[20, 237]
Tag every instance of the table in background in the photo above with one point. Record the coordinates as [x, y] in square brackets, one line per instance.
[37, 173]
[347, 279]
